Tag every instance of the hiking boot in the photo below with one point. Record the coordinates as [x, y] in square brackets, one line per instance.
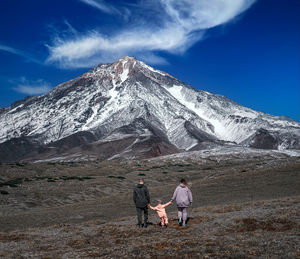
[166, 225]
[140, 225]
[145, 225]
[184, 225]
[180, 222]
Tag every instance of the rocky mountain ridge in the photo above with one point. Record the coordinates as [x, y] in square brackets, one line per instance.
[128, 109]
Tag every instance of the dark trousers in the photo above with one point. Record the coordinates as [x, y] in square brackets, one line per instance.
[139, 214]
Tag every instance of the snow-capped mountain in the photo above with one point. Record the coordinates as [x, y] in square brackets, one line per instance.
[128, 109]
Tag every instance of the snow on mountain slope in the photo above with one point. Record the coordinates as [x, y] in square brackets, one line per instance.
[112, 96]
[231, 121]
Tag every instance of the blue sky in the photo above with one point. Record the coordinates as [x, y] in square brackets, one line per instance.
[247, 50]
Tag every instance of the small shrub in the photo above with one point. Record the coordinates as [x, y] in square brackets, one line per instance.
[165, 172]
[156, 166]
[181, 165]
[87, 177]
[180, 170]
[117, 177]
[3, 192]
[12, 183]
[141, 174]
[40, 178]
[244, 170]
[27, 180]
[51, 181]
[66, 178]
[50, 163]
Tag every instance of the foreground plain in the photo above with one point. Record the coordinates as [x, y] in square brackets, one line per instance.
[244, 207]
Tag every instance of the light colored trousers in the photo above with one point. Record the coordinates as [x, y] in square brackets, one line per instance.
[182, 213]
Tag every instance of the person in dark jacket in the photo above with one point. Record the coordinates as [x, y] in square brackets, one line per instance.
[141, 199]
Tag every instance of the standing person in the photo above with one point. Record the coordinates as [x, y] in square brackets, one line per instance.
[141, 199]
[183, 197]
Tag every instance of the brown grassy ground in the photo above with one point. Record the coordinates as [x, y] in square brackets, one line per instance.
[264, 229]
[244, 208]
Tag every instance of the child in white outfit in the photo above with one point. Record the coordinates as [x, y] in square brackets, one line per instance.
[161, 212]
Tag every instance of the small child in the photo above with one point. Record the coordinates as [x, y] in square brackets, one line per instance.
[161, 212]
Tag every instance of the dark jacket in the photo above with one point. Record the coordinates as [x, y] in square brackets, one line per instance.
[141, 196]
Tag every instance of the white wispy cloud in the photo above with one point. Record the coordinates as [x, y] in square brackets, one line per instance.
[20, 53]
[10, 49]
[31, 87]
[101, 5]
[177, 26]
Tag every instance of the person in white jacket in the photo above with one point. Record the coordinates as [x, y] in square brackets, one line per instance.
[183, 197]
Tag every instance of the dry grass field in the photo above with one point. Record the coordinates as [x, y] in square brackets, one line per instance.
[243, 208]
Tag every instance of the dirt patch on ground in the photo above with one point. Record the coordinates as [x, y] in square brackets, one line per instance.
[272, 224]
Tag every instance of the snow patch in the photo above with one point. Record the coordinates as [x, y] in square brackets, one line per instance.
[176, 92]
[124, 75]
[152, 69]
[221, 153]
[191, 146]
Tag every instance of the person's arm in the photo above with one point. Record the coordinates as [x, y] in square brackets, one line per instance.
[174, 194]
[190, 196]
[134, 196]
[147, 195]
[166, 204]
[152, 208]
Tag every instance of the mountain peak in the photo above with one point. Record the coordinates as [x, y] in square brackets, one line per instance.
[123, 68]
[127, 58]
[130, 109]
[117, 71]
[125, 61]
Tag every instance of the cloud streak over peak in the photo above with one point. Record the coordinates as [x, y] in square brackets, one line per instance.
[32, 87]
[101, 5]
[178, 26]
[18, 52]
